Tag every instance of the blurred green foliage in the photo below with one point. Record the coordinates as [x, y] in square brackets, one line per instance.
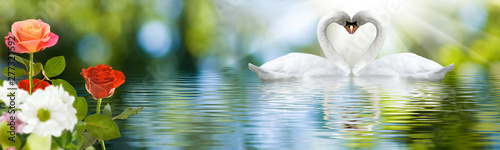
[482, 50]
[74, 19]
[222, 31]
[200, 28]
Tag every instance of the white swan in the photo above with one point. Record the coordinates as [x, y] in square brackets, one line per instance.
[405, 65]
[302, 65]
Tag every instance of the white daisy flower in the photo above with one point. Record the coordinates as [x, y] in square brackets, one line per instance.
[48, 112]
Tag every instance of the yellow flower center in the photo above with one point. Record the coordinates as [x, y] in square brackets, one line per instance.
[43, 115]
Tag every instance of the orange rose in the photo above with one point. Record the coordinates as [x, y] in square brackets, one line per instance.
[37, 84]
[30, 36]
[102, 80]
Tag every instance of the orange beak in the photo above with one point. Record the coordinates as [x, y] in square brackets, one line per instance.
[348, 28]
[351, 30]
[354, 28]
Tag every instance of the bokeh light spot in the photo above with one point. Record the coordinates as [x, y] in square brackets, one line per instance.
[155, 38]
[297, 27]
[94, 49]
[473, 16]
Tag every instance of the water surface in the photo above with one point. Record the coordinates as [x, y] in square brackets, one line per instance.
[233, 109]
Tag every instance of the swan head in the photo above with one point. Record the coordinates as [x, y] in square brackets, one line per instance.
[344, 20]
[338, 17]
[362, 18]
[348, 26]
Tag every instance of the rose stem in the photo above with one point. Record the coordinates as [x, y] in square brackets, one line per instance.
[103, 146]
[99, 106]
[99, 112]
[31, 73]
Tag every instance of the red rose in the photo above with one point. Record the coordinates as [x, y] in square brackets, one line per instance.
[102, 80]
[37, 84]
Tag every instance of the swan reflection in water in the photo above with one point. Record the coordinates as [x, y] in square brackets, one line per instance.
[355, 108]
[214, 111]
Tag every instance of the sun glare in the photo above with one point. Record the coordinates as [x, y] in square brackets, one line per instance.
[420, 27]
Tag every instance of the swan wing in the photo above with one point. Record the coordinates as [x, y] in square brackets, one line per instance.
[296, 65]
[407, 65]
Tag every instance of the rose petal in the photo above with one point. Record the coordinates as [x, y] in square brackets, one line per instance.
[17, 26]
[34, 24]
[13, 45]
[119, 78]
[37, 84]
[45, 29]
[96, 90]
[51, 42]
[31, 46]
[45, 39]
[108, 86]
[84, 73]
[104, 67]
[37, 33]
[24, 84]
[111, 92]
[23, 36]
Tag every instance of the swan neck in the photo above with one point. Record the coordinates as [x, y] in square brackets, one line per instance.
[327, 47]
[372, 52]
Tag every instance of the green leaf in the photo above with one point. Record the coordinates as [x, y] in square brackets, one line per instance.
[88, 140]
[90, 148]
[70, 146]
[81, 107]
[80, 141]
[37, 68]
[1, 82]
[80, 127]
[13, 72]
[107, 110]
[54, 66]
[67, 87]
[64, 139]
[77, 138]
[67, 140]
[54, 145]
[128, 112]
[102, 127]
[23, 61]
[34, 142]
[5, 135]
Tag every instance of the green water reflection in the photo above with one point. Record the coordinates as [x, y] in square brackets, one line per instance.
[233, 109]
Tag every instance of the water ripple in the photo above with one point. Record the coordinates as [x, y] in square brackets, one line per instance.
[235, 110]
